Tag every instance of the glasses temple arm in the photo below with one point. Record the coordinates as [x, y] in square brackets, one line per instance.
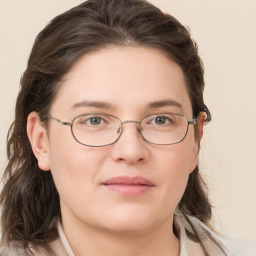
[59, 121]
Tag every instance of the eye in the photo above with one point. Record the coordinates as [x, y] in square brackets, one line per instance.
[94, 121]
[162, 120]
[91, 121]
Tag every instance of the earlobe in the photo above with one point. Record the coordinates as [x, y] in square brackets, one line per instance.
[39, 140]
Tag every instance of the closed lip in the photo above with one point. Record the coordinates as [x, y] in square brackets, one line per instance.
[128, 181]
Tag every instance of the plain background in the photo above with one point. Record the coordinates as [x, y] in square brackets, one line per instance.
[225, 32]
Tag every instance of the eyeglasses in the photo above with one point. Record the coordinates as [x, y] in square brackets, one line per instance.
[98, 130]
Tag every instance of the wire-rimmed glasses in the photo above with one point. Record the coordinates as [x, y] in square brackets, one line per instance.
[99, 129]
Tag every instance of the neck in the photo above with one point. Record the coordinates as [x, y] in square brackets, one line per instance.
[88, 240]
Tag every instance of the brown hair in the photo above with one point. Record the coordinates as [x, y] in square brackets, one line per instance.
[29, 199]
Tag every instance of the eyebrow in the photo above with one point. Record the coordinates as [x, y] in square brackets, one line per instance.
[106, 105]
[164, 103]
[96, 104]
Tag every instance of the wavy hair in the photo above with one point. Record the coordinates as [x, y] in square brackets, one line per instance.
[29, 199]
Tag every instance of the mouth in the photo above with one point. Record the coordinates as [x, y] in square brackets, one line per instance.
[128, 186]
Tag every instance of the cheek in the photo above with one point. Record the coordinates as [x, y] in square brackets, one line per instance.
[74, 171]
[178, 159]
[174, 170]
[68, 157]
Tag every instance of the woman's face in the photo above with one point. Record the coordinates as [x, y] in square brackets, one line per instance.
[128, 80]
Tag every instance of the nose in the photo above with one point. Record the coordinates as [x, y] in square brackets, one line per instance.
[131, 148]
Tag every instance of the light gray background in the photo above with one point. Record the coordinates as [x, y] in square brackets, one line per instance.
[225, 31]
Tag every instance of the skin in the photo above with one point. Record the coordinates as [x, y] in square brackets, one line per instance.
[96, 220]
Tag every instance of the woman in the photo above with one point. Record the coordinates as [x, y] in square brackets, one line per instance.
[104, 147]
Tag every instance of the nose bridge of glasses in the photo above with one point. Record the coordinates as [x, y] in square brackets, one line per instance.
[129, 121]
[120, 129]
[132, 121]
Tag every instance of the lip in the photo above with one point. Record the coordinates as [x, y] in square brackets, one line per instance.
[128, 186]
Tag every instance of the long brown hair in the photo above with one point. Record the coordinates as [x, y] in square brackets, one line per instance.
[29, 199]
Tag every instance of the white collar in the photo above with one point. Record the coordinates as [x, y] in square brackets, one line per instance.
[64, 240]
[211, 241]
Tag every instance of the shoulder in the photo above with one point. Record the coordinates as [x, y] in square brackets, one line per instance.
[14, 249]
[213, 242]
[17, 249]
[241, 247]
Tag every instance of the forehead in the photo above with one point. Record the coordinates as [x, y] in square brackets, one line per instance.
[124, 77]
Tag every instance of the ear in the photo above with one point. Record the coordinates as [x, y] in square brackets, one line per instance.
[38, 138]
[198, 136]
[200, 126]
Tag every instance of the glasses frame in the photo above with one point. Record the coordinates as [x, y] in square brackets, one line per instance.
[189, 122]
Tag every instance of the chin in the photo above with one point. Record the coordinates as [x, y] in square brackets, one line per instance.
[130, 221]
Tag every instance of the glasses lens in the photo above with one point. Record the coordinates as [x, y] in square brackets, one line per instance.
[164, 129]
[96, 129]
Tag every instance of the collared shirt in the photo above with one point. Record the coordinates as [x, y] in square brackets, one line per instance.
[189, 245]
[196, 239]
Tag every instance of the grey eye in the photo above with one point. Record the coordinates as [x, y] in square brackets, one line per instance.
[160, 120]
[94, 120]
